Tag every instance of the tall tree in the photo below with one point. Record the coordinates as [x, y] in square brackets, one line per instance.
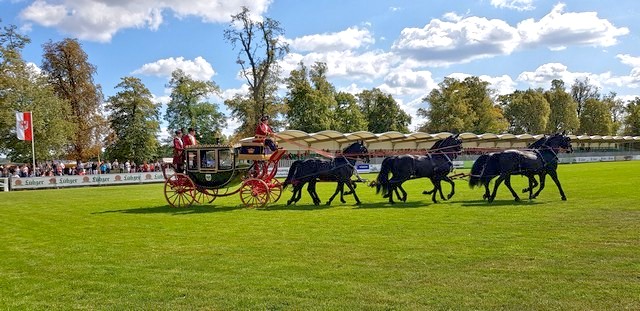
[309, 106]
[23, 88]
[563, 115]
[581, 91]
[382, 112]
[134, 120]
[189, 107]
[519, 107]
[596, 118]
[632, 119]
[462, 106]
[347, 115]
[71, 74]
[261, 46]
[616, 107]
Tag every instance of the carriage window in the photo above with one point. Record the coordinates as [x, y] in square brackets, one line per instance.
[192, 160]
[226, 159]
[208, 159]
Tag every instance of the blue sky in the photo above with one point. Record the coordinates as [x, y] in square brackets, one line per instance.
[403, 47]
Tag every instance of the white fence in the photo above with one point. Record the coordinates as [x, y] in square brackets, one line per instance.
[4, 184]
[86, 180]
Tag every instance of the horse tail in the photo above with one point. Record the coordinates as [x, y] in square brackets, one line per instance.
[382, 181]
[292, 172]
[477, 171]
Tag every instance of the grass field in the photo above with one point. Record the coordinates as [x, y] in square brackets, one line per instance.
[122, 248]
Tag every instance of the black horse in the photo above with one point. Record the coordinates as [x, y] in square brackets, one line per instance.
[340, 170]
[541, 160]
[436, 166]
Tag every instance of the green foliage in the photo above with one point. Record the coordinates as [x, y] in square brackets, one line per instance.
[24, 89]
[188, 107]
[126, 250]
[596, 118]
[462, 106]
[134, 122]
[563, 114]
[527, 111]
[348, 117]
[261, 46]
[616, 109]
[382, 113]
[581, 91]
[632, 120]
[309, 107]
[66, 65]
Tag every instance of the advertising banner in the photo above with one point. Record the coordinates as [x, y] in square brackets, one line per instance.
[85, 180]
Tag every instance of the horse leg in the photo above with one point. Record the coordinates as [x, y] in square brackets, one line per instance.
[453, 186]
[311, 188]
[532, 184]
[507, 182]
[404, 194]
[293, 196]
[339, 188]
[355, 196]
[495, 188]
[440, 190]
[343, 193]
[487, 193]
[554, 176]
[542, 182]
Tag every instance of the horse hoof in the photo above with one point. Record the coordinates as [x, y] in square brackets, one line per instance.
[564, 198]
[343, 201]
[328, 203]
[449, 196]
[426, 192]
[517, 199]
[525, 190]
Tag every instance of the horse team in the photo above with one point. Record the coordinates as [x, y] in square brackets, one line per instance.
[540, 158]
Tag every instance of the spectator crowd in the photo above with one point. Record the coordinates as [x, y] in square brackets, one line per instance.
[59, 168]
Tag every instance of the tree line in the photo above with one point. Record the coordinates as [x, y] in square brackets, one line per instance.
[73, 119]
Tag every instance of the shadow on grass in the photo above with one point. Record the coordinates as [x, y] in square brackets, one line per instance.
[295, 207]
[510, 202]
[166, 209]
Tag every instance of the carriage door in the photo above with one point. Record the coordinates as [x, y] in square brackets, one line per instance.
[192, 160]
[208, 159]
[225, 159]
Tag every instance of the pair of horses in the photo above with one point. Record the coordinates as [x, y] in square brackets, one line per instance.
[541, 158]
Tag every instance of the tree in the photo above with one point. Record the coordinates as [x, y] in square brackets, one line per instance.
[632, 119]
[527, 111]
[382, 112]
[462, 106]
[595, 118]
[347, 116]
[67, 67]
[188, 107]
[616, 107]
[22, 88]
[134, 121]
[581, 91]
[309, 106]
[261, 46]
[563, 115]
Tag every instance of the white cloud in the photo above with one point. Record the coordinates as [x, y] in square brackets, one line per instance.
[629, 60]
[544, 74]
[520, 5]
[349, 39]
[441, 42]
[198, 68]
[100, 20]
[408, 82]
[345, 64]
[558, 29]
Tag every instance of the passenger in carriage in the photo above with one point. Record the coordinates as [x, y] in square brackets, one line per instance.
[189, 139]
[264, 134]
[178, 152]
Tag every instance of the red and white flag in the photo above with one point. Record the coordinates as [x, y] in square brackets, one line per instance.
[23, 126]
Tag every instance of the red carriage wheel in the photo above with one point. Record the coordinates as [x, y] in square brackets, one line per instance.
[275, 190]
[204, 195]
[179, 190]
[254, 193]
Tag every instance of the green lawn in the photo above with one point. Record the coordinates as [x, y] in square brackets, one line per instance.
[122, 248]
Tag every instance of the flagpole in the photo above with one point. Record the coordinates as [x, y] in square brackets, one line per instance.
[33, 145]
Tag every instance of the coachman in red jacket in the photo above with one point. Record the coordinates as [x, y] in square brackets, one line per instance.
[178, 152]
[264, 133]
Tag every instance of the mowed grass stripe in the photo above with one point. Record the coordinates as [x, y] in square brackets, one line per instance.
[123, 248]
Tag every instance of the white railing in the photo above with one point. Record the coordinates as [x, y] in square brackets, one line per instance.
[4, 184]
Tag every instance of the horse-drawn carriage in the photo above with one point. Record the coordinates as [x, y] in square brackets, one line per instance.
[212, 171]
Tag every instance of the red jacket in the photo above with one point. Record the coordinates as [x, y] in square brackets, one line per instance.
[263, 130]
[188, 140]
[178, 148]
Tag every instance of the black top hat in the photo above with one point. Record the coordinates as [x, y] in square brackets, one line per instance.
[264, 118]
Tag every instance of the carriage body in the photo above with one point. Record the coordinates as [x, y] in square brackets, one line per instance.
[211, 171]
